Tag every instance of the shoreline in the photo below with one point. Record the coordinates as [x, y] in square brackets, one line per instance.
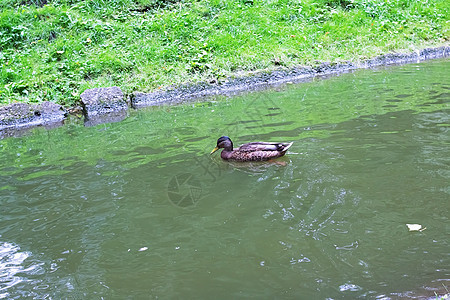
[17, 118]
[265, 79]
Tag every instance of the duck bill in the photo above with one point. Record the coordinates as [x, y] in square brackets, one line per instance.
[214, 150]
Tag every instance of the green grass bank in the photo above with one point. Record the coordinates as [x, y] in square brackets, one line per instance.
[54, 50]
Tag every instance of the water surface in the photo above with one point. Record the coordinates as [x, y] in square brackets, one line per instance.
[139, 209]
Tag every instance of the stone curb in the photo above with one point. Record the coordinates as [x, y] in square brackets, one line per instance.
[17, 117]
[267, 79]
[105, 105]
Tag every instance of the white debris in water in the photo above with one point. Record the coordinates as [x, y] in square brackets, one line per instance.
[415, 227]
[143, 249]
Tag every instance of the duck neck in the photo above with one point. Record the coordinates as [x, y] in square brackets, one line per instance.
[228, 146]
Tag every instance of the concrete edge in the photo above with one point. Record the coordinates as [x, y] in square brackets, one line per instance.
[13, 123]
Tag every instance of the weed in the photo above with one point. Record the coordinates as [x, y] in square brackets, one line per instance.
[53, 50]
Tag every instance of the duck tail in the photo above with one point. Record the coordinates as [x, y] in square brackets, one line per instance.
[286, 146]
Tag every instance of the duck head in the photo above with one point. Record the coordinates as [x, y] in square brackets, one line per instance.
[223, 142]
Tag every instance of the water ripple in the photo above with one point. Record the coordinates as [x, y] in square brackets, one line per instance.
[13, 268]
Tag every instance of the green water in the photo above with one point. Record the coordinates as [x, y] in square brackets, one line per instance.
[140, 210]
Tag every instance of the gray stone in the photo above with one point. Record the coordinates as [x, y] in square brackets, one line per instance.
[139, 99]
[21, 116]
[15, 113]
[101, 101]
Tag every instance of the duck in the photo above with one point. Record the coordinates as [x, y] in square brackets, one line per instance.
[256, 151]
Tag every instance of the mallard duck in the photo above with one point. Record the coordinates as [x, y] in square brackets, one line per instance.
[257, 151]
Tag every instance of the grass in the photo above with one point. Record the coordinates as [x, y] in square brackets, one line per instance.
[54, 50]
